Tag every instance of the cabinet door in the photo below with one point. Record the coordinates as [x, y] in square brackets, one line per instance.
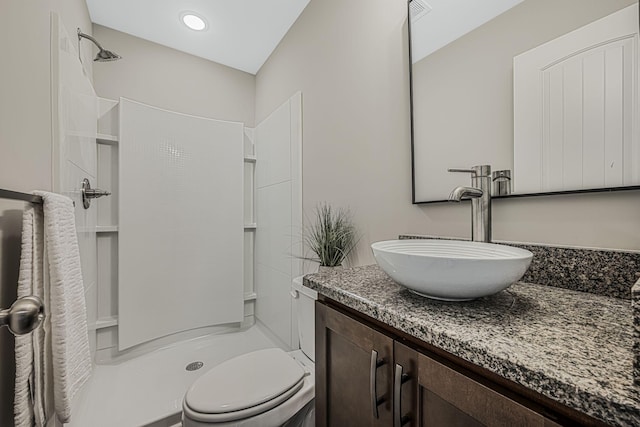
[435, 395]
[353, 372]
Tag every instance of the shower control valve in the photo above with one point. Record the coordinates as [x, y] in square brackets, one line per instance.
[89, 193]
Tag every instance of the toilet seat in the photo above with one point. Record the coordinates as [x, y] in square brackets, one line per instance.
[244, 386]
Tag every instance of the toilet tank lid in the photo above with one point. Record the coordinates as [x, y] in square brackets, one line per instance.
[244, 381]
[298, 286]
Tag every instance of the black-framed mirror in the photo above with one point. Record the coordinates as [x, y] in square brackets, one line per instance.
[547, 90]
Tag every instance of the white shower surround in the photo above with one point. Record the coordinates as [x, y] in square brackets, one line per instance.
[278, 196]
[135, 372]
[180, 252]
[85, 127]
[74, 126]
[108, 323]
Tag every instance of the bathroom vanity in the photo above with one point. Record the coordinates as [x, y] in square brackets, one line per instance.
[532, 355]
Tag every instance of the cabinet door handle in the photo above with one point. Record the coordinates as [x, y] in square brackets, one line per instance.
[399, 379]
[373, 374]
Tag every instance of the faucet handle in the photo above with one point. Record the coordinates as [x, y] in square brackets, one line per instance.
[471, 171]
[476, 171]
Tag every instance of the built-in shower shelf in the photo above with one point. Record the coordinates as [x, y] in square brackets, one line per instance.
[107, 322]
[105, 139]
[250, 226]
[107, 229]
[250, 296]
[250, 159]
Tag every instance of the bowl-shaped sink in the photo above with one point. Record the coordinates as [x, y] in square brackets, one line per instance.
[451, 270]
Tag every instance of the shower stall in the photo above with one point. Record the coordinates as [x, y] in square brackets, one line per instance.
[189, 262]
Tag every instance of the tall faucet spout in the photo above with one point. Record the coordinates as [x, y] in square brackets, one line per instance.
[460, 193]
[480, 195]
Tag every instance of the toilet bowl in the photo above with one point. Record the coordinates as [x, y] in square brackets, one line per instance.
[266, 388]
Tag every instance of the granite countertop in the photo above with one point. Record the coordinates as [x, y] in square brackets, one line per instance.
[573, 347]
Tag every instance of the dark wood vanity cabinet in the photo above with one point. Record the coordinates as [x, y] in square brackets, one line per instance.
[366, 376]
[434, 394]
[353, 372]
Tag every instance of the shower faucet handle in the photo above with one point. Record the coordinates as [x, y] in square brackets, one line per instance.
[96, 193]
[89, 193]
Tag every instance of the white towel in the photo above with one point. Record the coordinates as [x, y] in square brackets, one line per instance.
[29, 401]
[61, 355]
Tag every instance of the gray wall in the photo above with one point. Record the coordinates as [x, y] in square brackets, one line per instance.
[167, 78]
[349, 60]
[25, 136]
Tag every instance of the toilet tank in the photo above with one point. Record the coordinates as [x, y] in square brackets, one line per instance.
[305, 299]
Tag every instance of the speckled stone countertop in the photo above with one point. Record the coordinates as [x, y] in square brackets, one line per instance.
[573, 347]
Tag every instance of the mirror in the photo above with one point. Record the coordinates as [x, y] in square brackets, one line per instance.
[545, 89]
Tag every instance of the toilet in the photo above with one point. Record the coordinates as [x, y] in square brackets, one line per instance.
[265, 388]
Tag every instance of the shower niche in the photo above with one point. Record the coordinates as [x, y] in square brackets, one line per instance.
[151, 291]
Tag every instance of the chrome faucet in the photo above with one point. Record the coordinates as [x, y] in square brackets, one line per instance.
[480, 195]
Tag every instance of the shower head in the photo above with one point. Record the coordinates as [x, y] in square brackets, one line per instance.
[106, 56]
[103, 54]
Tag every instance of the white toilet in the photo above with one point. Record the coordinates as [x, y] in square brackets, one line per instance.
[265, 388]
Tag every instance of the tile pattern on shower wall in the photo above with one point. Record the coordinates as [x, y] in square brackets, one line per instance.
[108, 117]
[273, 147]
[273, 259]
[273, 241]
[85, 226]
[75, 144]
[276, 248]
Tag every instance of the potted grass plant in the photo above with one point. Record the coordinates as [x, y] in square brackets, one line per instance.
[331, 237]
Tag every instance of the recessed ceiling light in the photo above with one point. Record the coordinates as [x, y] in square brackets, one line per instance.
[193, 21]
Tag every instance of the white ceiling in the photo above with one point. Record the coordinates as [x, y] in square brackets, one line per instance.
[241, 33]
[451, 19]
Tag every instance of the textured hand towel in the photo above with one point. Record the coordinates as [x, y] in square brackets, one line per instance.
[29, 401]
[63, 347]
[70, 354]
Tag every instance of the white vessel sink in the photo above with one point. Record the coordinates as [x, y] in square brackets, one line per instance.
[451, 270]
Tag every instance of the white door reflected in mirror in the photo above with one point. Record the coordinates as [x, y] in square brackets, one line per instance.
[576, 111]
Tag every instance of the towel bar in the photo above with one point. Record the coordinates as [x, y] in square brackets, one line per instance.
[16, 195]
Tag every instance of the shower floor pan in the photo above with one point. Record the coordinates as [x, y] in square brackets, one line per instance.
[148, 390]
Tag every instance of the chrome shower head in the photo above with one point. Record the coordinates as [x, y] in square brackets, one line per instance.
[103, 54]
[106, 56]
